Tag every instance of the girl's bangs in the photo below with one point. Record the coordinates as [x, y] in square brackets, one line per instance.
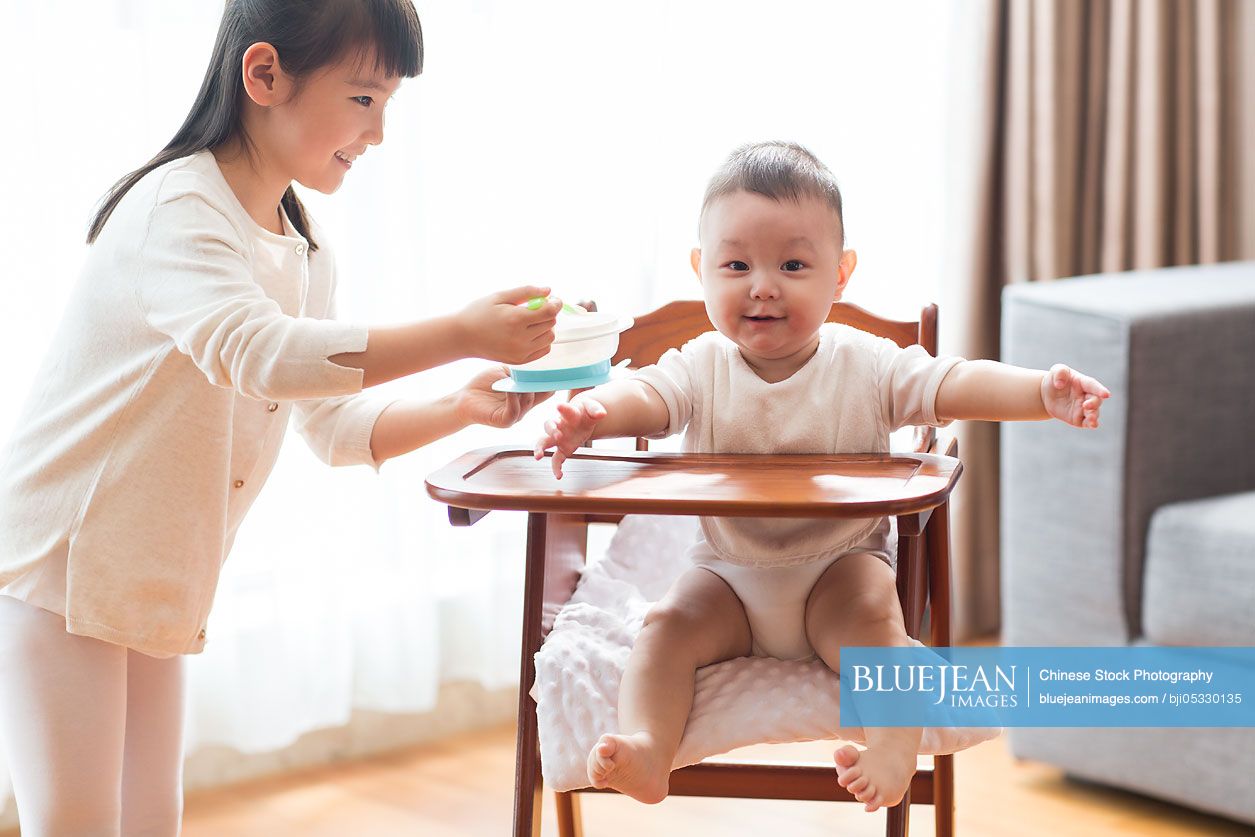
[389, 28]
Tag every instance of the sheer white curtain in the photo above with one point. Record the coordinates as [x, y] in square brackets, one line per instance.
[564, 143]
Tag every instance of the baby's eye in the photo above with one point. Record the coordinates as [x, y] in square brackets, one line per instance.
[364, 101]
[792, 265]
[736, 265]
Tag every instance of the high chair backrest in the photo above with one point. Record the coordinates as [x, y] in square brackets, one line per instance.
[676, 323]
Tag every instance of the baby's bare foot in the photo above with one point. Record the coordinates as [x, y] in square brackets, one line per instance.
[631, 765]
[877, 777]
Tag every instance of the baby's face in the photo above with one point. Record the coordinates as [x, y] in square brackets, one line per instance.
[770, 272]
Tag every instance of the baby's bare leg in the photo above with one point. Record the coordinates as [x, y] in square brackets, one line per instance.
[855, 602]
[700, 621]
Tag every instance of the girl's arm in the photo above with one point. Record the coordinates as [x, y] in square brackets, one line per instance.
[407, 425]
[494, 328]
[986, 390]
[619, 408]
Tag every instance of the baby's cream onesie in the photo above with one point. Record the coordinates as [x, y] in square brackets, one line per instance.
[848, 398]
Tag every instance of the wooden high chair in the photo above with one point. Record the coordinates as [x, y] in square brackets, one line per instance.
[601, 487]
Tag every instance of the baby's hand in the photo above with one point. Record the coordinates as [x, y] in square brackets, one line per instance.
[498, 328]
[1072, 397]
[571, 429]
[479, 403]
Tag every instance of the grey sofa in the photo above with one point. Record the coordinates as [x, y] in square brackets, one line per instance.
[1142, 532]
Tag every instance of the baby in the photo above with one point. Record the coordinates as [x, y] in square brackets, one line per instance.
[776, 378]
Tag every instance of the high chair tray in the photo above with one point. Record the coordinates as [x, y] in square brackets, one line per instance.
[721, 485]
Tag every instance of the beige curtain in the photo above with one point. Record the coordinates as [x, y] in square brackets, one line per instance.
[1109, 138]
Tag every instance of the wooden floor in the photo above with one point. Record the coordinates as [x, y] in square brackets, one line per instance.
[463, 786]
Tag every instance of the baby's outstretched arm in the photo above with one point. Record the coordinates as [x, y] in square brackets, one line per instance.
[990, 391]
[619, 408]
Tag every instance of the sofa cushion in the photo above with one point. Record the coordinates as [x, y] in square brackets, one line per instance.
[1200, 572]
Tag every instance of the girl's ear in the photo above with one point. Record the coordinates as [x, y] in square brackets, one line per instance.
[264, 80]
[695, 259]
[849, 259]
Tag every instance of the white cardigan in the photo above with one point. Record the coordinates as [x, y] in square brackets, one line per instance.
[161, 405]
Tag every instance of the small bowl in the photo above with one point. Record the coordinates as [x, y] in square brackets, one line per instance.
[579, 357]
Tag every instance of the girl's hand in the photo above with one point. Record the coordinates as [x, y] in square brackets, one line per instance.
[479, 403]
[1072, 397]
[498, 328]
[570, 430]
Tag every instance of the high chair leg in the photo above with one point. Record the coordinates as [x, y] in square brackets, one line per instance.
[943, 795]
[570, 823]
[527, 779]
[912, 593]
[896, 820]
[937, 547]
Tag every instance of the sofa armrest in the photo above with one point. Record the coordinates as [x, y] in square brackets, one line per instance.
[1175, 346]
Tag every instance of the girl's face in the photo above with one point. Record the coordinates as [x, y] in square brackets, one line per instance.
[327, 121]
[770, 271]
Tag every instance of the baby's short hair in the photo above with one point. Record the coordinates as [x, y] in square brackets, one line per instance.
[777, 170]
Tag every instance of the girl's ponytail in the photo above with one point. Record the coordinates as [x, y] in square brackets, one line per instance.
[308, 35]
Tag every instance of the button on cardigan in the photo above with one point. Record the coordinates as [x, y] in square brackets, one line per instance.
[159, 410]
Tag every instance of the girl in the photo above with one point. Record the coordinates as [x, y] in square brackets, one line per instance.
[203, 317]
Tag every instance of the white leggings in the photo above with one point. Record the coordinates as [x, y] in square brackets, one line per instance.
[91, 732]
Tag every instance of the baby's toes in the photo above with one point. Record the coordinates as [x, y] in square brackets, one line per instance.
[858, 786]
[846, 757]
[849, 775]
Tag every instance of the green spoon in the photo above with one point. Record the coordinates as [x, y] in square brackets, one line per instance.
[537, 301]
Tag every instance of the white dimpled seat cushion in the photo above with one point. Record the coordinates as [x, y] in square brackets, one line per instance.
[748, 700]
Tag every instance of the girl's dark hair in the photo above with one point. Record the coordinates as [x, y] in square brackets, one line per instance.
[777, 170]
[308, 35]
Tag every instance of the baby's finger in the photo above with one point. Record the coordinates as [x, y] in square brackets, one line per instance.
[570, 425]
[558, 457]
[1060, 375]
[1092, 385]
[543, 444]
